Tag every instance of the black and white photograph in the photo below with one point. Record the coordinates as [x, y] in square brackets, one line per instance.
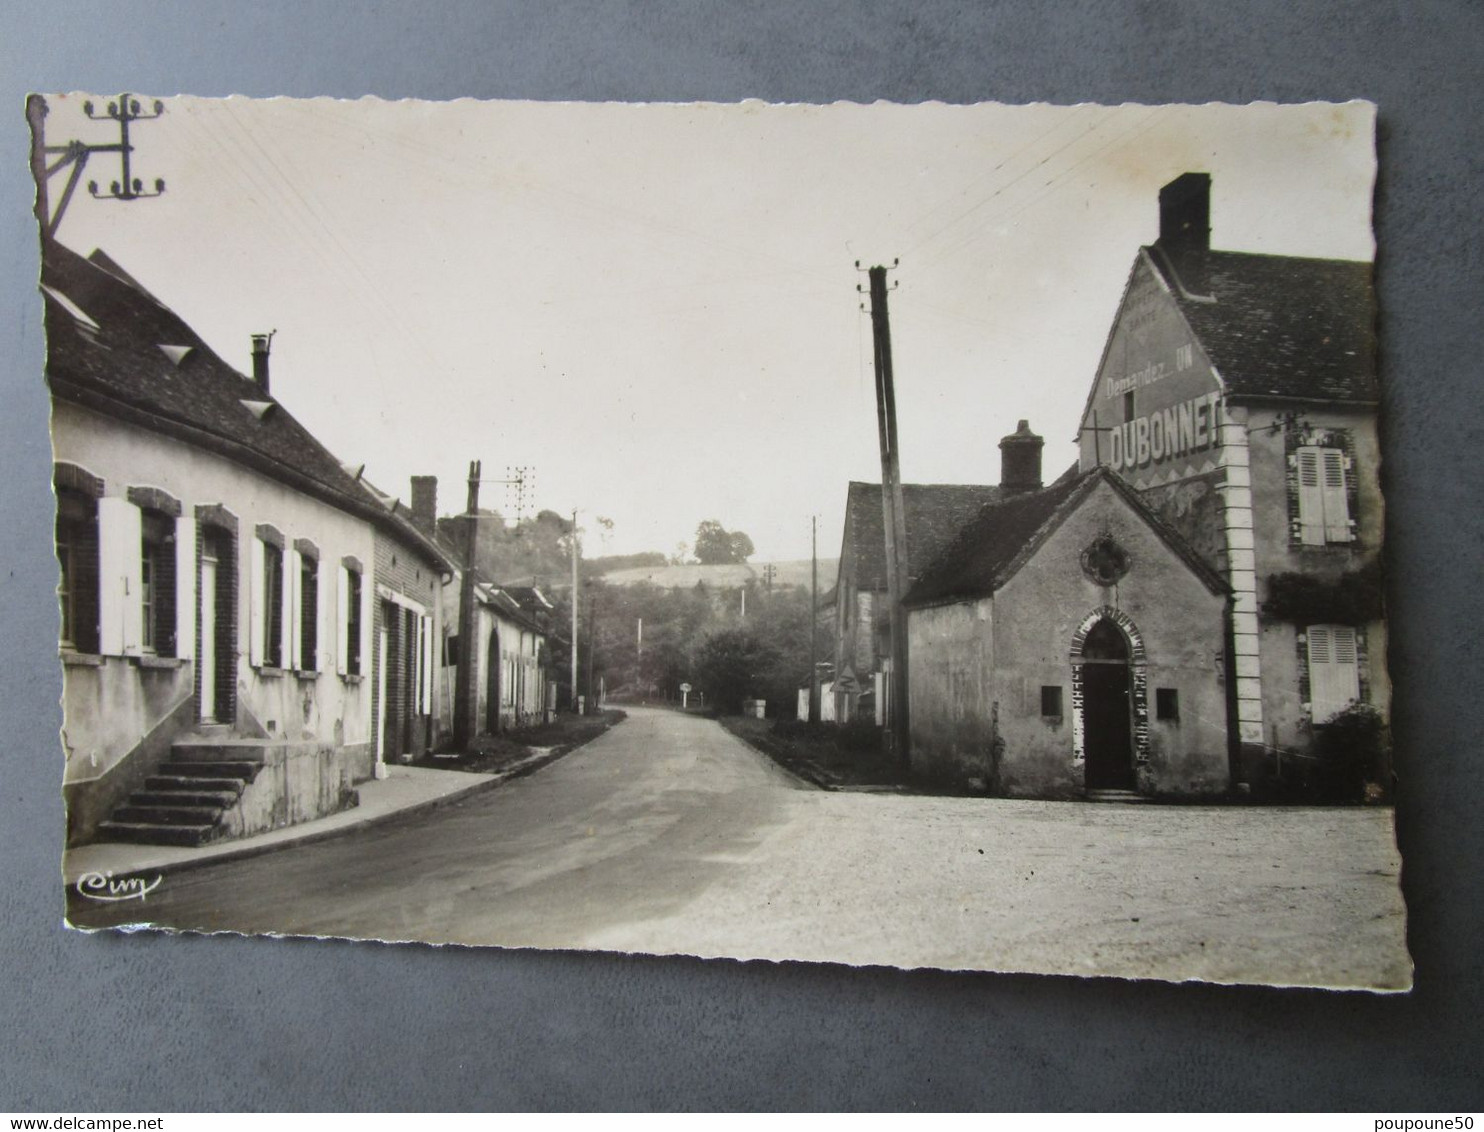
[915, 536]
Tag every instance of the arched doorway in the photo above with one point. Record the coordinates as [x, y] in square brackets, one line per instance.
[1107, 708]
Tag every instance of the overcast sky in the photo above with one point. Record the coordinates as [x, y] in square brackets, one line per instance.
[654, 306]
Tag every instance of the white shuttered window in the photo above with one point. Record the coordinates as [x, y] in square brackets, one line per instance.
[1324, 505]
[1334, 671]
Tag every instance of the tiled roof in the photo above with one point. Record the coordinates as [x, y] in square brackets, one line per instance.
[145, 365]
[1285, 326]
[399, 521]
[509, 607]
[935, 514]
[993, 547]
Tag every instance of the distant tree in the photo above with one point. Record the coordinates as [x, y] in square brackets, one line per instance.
[732, 665]
[716, 546]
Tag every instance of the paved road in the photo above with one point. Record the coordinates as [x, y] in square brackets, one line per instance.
[668, 835]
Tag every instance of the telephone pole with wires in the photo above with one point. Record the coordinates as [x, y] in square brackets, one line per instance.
[74, 155]
[893, 511]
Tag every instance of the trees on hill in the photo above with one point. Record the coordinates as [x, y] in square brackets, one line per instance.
[716, 546]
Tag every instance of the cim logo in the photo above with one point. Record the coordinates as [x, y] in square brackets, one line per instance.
[102, 886]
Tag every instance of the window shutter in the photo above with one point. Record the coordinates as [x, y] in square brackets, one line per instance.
[187, 577]
[322, 627]
[293, 605]
[120, 614]
[342, 620]
[1311, 497]
[367, 661]
[429, 667]
[1336, 504]
[256, 613]
[1334, 677]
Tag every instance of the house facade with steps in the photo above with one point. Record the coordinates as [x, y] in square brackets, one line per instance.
[217, 579]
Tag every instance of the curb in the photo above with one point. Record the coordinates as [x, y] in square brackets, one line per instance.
[246, 852]
[482, 783]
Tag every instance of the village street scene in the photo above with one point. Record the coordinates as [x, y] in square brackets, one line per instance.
[911, 536]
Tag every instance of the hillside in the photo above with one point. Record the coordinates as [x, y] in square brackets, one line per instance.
[791, 573]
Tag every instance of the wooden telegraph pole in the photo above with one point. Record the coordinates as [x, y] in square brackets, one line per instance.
[893, 512]
[814, 710]
[465, 694]
[574, 609]
[73, 156]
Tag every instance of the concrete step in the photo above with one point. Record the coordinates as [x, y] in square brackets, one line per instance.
[193, 782]
[219, 798]
[245, 771]
[1117, 796]
[149, 834]
[134, 813]
[242, 751]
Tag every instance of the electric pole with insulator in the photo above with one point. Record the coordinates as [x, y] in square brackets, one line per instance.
[893, 511]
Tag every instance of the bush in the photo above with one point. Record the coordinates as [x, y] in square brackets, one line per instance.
[859, 736]
[1352, 752]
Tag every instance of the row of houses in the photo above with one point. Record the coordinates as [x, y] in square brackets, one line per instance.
[1195, 600]
[248, 627]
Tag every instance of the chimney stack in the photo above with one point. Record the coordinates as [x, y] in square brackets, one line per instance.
[1185, 229]
[425, 503]
[260, 346]
[1020, 460]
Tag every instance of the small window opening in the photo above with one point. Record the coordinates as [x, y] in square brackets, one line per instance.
[1167, 704]
[1051, 700]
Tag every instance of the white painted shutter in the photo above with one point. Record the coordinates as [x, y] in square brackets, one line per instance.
[1336, 504]
[120, 577]
[187, 576]
[256, 617]
[1334, 677]
[342, 620]
[1311, 497]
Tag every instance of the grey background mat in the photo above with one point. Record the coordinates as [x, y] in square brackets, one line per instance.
[144, 1022]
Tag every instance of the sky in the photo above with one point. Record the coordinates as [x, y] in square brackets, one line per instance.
[654, 307]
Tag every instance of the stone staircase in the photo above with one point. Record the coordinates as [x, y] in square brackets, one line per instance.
[1117, 796]
[186, 800]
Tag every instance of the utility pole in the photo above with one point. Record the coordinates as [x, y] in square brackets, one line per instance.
[893, 511]
[574, 609]
[465, 695]
[76, 153]
[814, 619]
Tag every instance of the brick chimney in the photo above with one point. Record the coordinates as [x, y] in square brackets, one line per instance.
[1020, 460]
[1185, 229]
[425, 503]
[260, 346]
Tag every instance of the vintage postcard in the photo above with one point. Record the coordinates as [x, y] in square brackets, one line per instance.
[924, 536]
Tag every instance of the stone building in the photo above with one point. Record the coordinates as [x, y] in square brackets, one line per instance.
[218, 586]
[412, 575]
[1069, 643]
[862, 653]
[501, 679]
[1237, 394]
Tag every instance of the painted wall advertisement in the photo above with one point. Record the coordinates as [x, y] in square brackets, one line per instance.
[1155, 412]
